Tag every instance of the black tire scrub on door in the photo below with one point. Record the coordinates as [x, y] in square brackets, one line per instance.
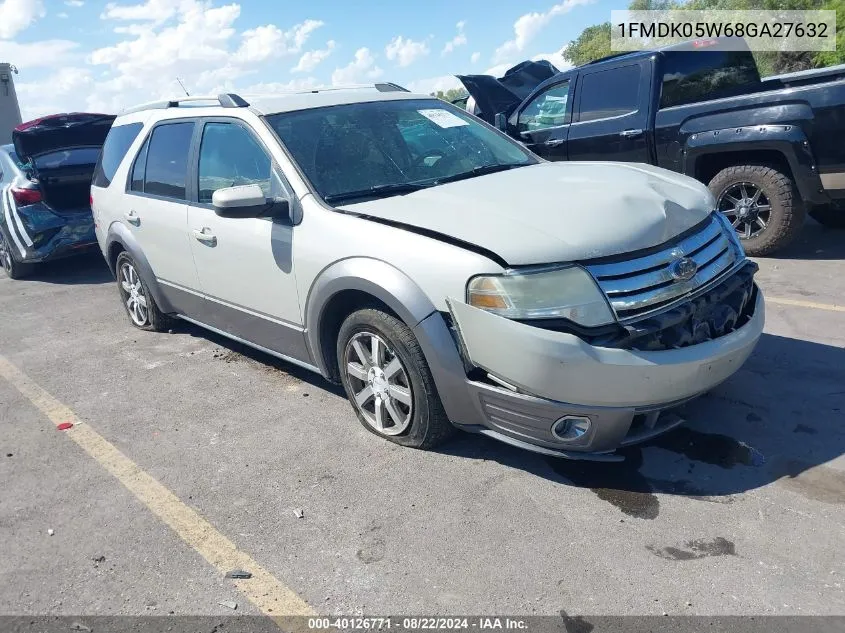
[762, 204]
[388, 382]
[137, 300]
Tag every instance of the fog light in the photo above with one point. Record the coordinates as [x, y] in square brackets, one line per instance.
[570, 427]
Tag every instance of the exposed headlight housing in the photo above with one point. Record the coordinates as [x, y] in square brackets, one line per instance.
[560, 293]
[732, 235]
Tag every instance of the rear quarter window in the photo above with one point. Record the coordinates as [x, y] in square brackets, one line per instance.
[118, 141]
[690, 76]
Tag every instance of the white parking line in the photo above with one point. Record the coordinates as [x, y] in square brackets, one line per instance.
[830, 307]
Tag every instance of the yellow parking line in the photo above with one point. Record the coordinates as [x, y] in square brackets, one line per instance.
[830, 307]
[263, 590]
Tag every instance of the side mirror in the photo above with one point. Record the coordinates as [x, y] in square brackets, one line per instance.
[247, 201]
[500, 122]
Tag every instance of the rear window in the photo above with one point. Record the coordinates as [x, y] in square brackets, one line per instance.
[610, 93]
[68, 158]
[117, 143]
[690, 76]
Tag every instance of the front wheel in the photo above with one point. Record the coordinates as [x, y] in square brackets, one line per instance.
[388, 382]
[761, 203]
[13, 268]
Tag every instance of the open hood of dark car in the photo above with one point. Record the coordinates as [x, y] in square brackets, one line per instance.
[493, 95]
[60, 131]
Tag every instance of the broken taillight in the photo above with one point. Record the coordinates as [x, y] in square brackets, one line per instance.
[24, 197]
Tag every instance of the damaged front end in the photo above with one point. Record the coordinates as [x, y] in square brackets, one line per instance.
[580, 392]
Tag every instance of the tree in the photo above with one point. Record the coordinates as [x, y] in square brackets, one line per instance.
[452, 94]
[830, 58]
[592, 44]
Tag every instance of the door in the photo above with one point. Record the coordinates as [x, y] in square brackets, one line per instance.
[611, 118]
[244, 265]
[543, 124]
[157, 212]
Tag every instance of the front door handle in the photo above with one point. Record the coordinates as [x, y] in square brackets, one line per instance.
[555, 142]
[205, 236]
[132, 218]
[631, 133]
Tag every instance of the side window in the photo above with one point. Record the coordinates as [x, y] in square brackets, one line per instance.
[167, 160]
[230, 156]
[117, 143]
[139, 168]
[547, 109]
[610, 93]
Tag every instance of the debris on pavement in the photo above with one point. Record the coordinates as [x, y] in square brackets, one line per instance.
[50, 532]
[228, 603]
[64, 426]
[238, 573]
[78, 626]
[98, 559]
[298, 512]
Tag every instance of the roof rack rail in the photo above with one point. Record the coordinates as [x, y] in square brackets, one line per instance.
[389, 86]
[226, 100]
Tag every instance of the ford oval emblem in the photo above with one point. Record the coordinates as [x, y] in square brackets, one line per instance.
[683, 269]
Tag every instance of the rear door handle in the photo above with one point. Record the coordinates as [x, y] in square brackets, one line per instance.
[555, 142]
[205, 236]
[631, 133]
[132, 218]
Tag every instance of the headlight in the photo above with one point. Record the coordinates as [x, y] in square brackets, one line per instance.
[562, 293]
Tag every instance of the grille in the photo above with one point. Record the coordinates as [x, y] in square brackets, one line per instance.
[644, 285]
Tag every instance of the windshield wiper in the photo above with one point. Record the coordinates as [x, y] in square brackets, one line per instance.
[479, 171]
[376, 191]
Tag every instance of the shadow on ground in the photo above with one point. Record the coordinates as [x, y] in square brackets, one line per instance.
[89, 268]
[815, 242]
[781, 417]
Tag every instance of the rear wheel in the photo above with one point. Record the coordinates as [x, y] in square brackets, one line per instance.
[14, 269]
[387, 380]
[761, 203]
[137, 300]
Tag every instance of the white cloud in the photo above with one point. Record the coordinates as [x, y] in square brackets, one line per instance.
[264, 42]
[556, 59]
[74, 3]
[295, 85]
[17, 15]
[475, 57]
[527, 26]
[405, 51]
[34, 54]
[498, 70]
[311, 59]
[361, 69]
[65, 83]
[152, 10]
[62, 15]
[433, 84]
[460, 39]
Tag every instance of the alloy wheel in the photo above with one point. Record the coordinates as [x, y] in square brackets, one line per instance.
[379, 382]
[5, 255]
[133, 294]
[747, 207]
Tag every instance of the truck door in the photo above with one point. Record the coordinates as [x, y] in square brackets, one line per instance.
[543, 122]
[611, 114]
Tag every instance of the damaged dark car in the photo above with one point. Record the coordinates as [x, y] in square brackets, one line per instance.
[46, 182]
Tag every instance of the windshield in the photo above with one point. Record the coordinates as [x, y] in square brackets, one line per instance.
[392, 147]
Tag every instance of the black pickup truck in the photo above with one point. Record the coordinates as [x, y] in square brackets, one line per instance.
[770, 150]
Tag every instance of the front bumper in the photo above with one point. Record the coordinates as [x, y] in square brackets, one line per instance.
[627, 395]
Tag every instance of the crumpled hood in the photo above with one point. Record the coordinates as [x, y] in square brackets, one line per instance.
[555, 212]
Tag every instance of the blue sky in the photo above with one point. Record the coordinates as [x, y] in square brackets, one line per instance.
[102, 56]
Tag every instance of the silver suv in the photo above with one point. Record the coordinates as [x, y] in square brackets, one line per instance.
[445, 275]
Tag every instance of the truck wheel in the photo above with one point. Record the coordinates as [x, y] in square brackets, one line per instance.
[14, 269]
[761, 203]
[387, 380]
[830, 216]
[137, 300]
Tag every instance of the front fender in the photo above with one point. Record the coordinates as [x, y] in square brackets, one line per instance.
[788, 140]
[119, 234]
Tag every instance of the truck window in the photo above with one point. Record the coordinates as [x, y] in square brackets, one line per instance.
[547, 109]
[690, 76]
[610, 93]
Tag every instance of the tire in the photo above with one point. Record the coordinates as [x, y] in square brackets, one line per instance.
[783, 215]
[12, 267]
[142, 311]
[417, 419]
[830, 216]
